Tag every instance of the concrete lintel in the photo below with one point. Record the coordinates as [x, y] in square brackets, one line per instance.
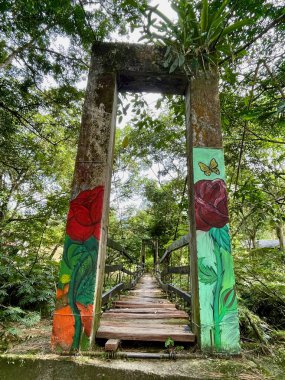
[139, 68]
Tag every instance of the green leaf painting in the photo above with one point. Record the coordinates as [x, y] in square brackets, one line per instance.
[228, 300]
[221, 237]
[216, 279]
[207, 274]
[85, 294]
[76, 284]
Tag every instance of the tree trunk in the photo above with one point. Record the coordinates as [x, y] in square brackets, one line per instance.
[280, 235]
[253, 240]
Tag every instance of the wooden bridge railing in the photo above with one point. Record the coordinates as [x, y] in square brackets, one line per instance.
[166, 273]
[120, 276]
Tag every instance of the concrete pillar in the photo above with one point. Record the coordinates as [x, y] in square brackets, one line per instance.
[214, 304]
[78, 305]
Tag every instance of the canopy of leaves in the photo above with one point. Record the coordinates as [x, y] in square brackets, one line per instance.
[209, 33]
[44, 57]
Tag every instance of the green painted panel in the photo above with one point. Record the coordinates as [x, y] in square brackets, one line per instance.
[217, 296]
[205, 155]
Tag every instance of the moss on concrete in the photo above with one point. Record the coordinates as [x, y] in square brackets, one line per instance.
[47, 367]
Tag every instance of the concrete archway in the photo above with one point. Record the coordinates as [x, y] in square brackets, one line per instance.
[136, 68]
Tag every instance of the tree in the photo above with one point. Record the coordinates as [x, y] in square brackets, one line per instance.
[44, 53]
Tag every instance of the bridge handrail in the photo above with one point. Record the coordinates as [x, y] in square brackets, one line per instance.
[182, 270]
[180, 243]
[119, 267]
[185, 269]
[133, 273]
[121, 285]
[117, 247]
[180, 293]
[106, 296]
[186, 296]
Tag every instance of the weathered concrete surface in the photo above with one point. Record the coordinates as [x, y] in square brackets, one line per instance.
[139, 68]
[50, 367]
[203, 114]
[93, 164]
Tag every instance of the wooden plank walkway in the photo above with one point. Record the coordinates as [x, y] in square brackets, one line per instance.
[145, 315]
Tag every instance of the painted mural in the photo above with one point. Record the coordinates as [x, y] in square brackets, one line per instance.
[217, 295]
[72, 322]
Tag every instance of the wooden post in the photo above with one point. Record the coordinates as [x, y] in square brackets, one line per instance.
[214, 308]
[156, 256]
[143, 254]
[78, 305]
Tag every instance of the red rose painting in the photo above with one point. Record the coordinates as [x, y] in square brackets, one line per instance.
[211, 207]
[84, 217]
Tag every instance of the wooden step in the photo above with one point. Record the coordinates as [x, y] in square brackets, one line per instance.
[164, 321]
[143, 299]
[149, 310]
[144, 334]
[138, 305]
[151, 325]
[134, 315]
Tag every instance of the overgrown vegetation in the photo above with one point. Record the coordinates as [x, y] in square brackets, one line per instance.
[27, 288]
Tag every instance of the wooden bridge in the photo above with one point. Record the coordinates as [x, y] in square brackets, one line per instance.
[145, 314]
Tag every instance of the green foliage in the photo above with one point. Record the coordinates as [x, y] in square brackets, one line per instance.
[44, 53]
[16, 314]
[156, 144]
[45, 49]
[253, 328]
[207, 33]
[27, 284]
[169, 343]
[254, 147]
[260, 283]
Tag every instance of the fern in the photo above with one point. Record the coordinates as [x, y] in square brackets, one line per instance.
[26, 286]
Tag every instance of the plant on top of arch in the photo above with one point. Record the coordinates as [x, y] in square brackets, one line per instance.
[208, 33]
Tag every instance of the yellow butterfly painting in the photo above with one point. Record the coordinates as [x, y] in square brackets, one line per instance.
[212, 168]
